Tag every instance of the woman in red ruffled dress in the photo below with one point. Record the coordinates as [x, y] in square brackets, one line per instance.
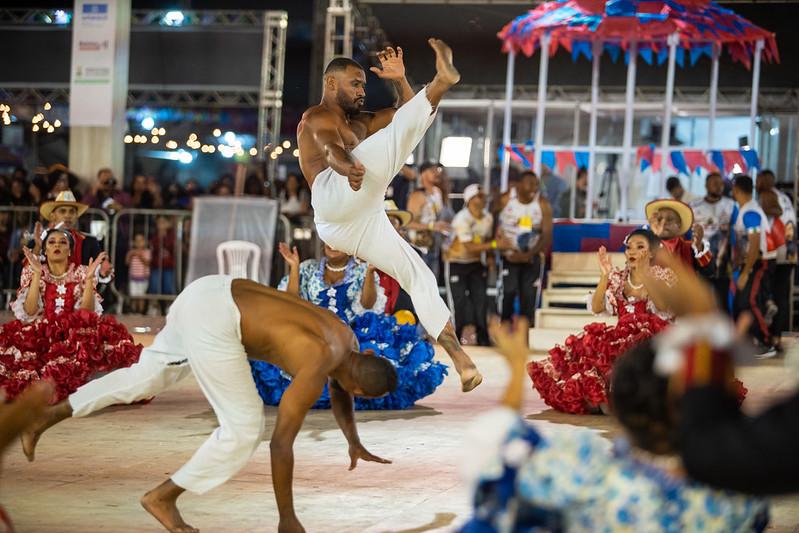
[575, 376]
[59, 333]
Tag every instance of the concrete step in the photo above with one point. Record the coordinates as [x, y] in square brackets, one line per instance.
[565, 296]
[573, 319]
[583, 261]
[571, 278]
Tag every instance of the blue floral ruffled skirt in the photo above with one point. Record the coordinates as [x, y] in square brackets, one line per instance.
[418, 375]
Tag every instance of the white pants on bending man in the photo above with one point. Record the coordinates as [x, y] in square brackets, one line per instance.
[212, 349]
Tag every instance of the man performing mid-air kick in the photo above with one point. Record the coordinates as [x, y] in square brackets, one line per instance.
[215, 324]
[349, 157]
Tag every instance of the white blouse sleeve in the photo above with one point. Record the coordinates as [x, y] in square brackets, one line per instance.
[380, 302]
[18, 305]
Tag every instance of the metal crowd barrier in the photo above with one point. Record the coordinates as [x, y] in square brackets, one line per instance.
[116, 235]
[17, 225]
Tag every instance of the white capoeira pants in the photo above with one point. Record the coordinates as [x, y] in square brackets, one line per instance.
[203, 335]
[354, 222]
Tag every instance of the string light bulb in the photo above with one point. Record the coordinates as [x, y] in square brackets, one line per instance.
[286, 144]
[253, 152]
[50, 129]
[296, 152]
[57, 123]
[154, 139]
[128, 139]
[47, 106]
[217, 132]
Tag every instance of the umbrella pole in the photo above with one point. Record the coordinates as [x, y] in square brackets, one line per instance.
[755, 90]
[626, 167]
[597, 55]
[506, 122]
[542, 100]
[665, 136]
[714, 93]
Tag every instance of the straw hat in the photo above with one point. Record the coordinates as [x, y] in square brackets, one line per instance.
[681, 208]
[63, 198]
[393, 211]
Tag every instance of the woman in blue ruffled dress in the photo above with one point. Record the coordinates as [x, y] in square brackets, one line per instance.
[526, 478]
[352, 290]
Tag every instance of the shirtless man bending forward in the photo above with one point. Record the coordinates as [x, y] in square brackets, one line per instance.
[349, 157]
[213, 327]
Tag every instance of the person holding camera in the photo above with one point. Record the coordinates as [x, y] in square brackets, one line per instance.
[526, 220]
[105, 195]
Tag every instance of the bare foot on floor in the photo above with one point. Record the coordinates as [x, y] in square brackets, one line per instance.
[470, 379]
[166, 512]
[445, 68]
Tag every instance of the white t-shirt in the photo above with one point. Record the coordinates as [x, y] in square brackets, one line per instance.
[467, 228]
[786, 204]
[518, 219]
[715, 218]
[748, 221]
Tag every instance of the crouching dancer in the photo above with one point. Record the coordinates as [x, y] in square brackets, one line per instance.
[213, 327]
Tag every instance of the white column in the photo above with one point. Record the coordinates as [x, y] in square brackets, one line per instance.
[98, 87]
[665, 136]
[597, 56]
[714, 93]
[506, 122]
[542, 102]
[488, 146]
[626, 171]
[755, 91]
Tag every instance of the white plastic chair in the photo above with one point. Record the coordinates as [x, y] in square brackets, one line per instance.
[239, 259]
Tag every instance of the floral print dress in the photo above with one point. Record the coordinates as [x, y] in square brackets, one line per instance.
[60, 341]
[575, 376]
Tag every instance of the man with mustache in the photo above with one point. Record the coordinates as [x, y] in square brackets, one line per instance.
[349, 158]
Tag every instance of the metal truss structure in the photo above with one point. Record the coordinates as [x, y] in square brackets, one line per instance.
[270, 93]
[338, 30]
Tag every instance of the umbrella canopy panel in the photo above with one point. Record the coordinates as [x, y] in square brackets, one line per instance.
[700, 24]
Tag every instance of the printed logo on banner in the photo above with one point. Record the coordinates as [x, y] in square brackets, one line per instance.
[94, 12]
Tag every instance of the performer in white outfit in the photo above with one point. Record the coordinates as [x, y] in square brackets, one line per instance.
[211, 328]
[349, 158]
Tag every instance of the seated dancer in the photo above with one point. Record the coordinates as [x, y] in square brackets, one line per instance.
[60, 333]
[349, 157]
[574, 378]
[350, 290]
[671, 220]
[213, 326]
[575, 480]
[64, 212]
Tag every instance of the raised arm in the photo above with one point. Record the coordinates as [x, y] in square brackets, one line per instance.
[31, 304]
[369, 290]
[392, 69]
[605, 268]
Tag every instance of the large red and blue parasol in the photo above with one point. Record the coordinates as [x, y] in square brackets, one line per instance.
[700, 24]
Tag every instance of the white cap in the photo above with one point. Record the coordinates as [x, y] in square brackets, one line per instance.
[471, 191]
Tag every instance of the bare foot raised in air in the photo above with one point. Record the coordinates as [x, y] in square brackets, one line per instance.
[163, 508]
[445, 68]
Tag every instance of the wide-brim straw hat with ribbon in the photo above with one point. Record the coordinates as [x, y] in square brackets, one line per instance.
[681, 208]
[393, 211]
[63, 198]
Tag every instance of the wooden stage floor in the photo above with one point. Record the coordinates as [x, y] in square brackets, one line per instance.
[91, 472]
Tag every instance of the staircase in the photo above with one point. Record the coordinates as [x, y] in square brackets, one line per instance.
[564, 311]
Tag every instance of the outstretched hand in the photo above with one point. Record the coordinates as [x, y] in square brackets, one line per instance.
[357, 451]
[391, 65]
[33, 260]
[605, 264]
[95, 264]
[511, 339]
[291, 255]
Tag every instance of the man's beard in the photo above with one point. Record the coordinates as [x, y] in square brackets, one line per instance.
[350, 107]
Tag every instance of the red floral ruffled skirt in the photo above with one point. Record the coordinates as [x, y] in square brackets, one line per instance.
[68, 349]
[575, 376]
